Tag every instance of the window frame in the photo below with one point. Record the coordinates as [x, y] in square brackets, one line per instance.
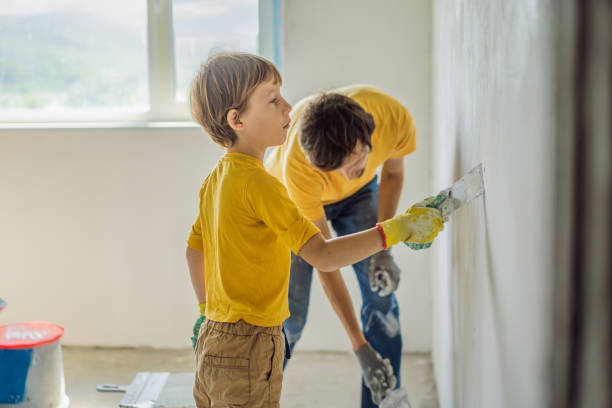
[163, 106]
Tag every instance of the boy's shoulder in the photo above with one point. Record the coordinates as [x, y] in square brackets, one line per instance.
[261, 180]
[242, 176]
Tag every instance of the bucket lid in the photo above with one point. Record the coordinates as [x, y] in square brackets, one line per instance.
[28, 335]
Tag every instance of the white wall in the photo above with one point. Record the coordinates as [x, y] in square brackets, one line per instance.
[495, 103]
[93, 229]
[93, 222]
[386, 44]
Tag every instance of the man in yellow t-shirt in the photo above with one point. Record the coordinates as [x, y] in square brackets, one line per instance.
[335, 144]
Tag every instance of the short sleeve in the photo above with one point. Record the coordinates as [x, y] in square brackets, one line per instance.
[305, 188]
[270, 202]
[405, 131]
[195, 236]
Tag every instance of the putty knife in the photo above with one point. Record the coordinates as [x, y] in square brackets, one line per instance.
[156, 390]
[178, 392]
[467, 188]
[142, 392]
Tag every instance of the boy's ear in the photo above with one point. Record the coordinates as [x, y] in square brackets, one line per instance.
[233, 119]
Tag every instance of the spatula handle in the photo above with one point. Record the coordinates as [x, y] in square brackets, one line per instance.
[111, 388]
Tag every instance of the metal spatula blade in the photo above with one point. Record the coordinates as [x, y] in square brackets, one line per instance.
[467, 188]
[142, 392]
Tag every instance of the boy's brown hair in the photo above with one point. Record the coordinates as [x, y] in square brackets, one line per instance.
[225, 82]
[331, 127]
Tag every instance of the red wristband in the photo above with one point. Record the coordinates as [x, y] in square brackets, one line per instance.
[360, 346]
[382, 235]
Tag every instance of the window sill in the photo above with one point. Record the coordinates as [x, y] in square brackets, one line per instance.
[99, 125]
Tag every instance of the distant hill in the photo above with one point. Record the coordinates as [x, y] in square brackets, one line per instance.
[70, 60]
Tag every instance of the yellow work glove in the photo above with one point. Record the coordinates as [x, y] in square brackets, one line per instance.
[417, 225]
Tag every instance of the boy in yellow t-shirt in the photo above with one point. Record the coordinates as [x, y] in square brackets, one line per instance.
[239, 247]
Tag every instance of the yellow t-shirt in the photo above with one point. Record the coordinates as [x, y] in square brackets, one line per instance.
[246, 227]
[311, 188]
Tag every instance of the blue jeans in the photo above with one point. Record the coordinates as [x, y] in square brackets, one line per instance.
[379, 315]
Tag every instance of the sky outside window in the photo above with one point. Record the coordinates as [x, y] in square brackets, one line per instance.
[202, 27]
[66, 55]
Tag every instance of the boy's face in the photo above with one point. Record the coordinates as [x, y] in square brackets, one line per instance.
[266, 118]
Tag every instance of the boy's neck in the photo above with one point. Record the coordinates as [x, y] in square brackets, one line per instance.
[252, 151]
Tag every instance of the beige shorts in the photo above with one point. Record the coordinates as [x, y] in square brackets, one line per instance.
[238, 365]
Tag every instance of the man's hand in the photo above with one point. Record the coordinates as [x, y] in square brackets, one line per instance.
[384, 273]
[377, 373]
[198, 323]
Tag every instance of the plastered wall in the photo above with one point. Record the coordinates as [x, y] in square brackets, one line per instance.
[494, 103]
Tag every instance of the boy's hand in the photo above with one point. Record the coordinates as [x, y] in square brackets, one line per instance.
[377, 373]
[384, 273]
[198, 323]
[430, 202]
[417, 224]
[196, 330]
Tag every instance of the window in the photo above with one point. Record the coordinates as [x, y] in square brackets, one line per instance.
[70, 55]
[112, 60]
[220, 25]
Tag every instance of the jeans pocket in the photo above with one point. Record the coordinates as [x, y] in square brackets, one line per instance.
[226, 379]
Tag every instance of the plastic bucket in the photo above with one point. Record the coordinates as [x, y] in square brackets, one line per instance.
[31, 369]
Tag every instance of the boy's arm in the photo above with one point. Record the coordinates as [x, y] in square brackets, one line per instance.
[195, 262]
[338, 295]
[417, 224]
[328, 255]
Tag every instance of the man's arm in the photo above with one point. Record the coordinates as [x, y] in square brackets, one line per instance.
[390, 188]
[383, 272]
[195, 262]
[338, 295]
[377, 373]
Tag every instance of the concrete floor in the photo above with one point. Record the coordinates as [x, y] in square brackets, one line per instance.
[312, 379]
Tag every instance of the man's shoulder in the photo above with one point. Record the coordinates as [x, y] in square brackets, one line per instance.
[372, 97]
[354, 90]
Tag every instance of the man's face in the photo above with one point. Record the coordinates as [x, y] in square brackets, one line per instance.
[354, 164]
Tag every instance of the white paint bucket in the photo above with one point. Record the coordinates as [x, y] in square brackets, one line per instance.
[31, 369]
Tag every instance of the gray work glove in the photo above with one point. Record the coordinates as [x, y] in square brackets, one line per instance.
[384, 273]
[377, 373]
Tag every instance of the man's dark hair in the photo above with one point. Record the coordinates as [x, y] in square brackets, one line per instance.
[331, 127]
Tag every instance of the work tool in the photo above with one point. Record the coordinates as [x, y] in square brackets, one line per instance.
[467, 188]
[155, 390]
